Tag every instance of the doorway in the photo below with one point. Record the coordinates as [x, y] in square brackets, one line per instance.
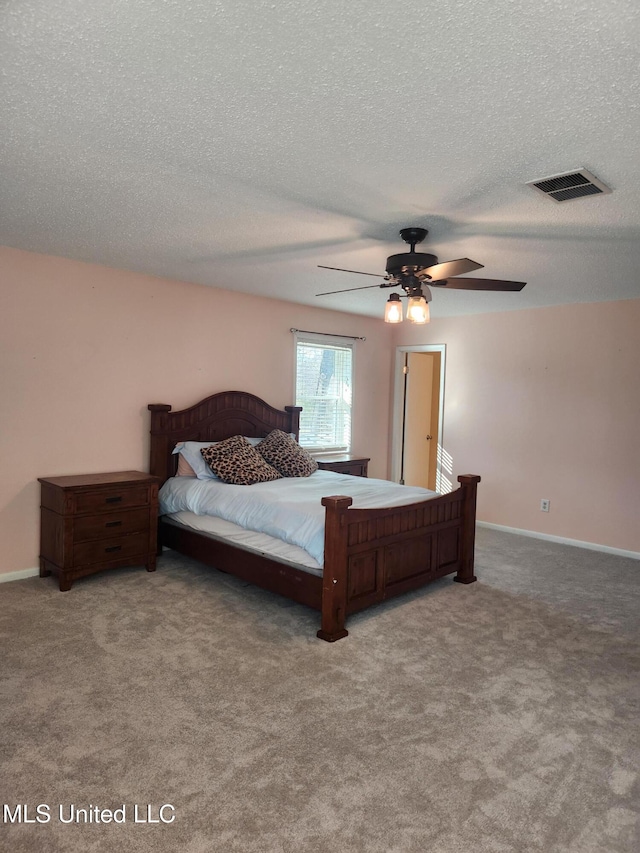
[418, 416]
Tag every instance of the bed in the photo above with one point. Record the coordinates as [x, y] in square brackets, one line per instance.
[369, 555]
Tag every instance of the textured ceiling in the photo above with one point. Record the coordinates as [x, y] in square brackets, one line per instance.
[241, 143]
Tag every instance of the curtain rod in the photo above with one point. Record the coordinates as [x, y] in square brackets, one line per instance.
[328, 334]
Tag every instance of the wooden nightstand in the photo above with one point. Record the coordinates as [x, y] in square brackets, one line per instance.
[344, 463]
[92, 522]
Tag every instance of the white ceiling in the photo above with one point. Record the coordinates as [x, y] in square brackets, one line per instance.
[239, 143]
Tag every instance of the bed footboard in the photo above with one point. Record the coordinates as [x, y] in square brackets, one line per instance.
[375, 554]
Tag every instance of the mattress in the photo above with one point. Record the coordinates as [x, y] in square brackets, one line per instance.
[249, 540]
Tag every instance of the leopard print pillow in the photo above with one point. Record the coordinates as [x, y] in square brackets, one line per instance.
[235, 461]
[285, 454]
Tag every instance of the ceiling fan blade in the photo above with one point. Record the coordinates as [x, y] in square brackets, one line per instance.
[478, 284]
[357, 272]
[364, 287]
[449, 268]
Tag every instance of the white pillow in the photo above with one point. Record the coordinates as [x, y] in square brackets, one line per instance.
[190, 450]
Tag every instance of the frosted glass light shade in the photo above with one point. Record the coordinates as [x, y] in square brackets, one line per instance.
[393, 309]
[418, 310]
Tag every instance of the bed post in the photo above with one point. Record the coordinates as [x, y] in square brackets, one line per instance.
[334, 576]
[469, 483]
[294, 412]
[160, 451]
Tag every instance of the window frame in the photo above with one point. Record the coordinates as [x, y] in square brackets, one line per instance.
[329, 341]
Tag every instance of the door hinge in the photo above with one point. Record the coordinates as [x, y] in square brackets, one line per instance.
[405, 369]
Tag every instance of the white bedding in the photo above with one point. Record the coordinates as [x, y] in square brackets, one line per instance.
[289, 509]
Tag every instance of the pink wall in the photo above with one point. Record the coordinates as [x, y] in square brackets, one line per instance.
[545, 403]
[84, 348]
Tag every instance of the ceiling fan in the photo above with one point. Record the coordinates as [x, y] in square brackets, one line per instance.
[412, 271]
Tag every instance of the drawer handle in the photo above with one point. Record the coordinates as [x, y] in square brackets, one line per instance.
[112, 549]
[114, 500]
[113, 524]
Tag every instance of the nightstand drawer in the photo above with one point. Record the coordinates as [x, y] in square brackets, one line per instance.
[103, 550]
[354, 470]
[112, 499]
[110, 524]
[344, 463]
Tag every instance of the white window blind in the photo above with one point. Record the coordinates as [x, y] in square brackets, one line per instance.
[324, 389]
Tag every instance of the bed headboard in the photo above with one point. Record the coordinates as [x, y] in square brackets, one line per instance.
[213, 419]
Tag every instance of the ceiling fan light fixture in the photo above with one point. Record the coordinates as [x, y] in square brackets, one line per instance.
[410, 271]
[393, 309]
[418, 310]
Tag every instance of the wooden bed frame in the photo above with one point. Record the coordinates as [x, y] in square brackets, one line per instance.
[370, 554]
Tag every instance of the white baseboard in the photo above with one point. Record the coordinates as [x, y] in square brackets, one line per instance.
[592, 546]
[18, 576]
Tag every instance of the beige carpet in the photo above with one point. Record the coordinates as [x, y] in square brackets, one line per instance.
[502, 717]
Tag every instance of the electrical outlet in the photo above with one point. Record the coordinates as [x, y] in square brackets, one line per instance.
[544, 504]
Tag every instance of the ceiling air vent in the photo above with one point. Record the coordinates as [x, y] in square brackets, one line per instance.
[569, 185]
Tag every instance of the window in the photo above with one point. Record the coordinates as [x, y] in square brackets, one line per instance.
[324, 386]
